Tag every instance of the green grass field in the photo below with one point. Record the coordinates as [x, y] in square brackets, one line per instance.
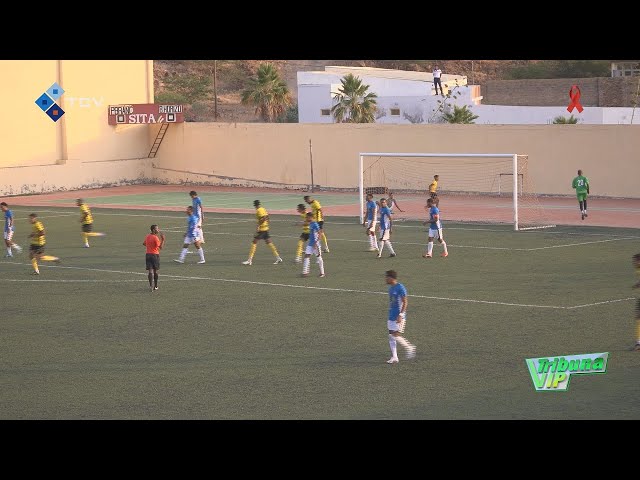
[88, 340]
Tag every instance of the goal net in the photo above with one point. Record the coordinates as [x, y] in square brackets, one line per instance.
[475, 188]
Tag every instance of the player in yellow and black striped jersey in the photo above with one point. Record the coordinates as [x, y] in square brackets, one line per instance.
[86, 220]
[38, 242]
[433, 190]
[262, 233]
[318, 216]
[636, 264]
[304, 236]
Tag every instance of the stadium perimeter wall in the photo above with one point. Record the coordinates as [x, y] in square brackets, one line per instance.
[80, 150]
[251, 154]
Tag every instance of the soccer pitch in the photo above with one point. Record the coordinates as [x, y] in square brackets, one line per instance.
[88, 340]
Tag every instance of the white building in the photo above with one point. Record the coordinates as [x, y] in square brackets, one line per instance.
[405, 97]
[402, 96]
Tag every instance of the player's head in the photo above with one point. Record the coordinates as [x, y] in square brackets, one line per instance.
[308, 199]
[436, 177]
[391, 276]
[189, 210]
[33, 218]
[79, 201]
[390, 194]
[369, 197]
[193, 194]
[430, 202]
[4, 206]
[579, 172]
[154, 228]
[302, 208]
[309, 216]
[383, 202]
[256, 203]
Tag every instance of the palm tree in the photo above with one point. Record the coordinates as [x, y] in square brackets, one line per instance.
[268, 93]
[353, 103]
[460, 115]
[560, 120]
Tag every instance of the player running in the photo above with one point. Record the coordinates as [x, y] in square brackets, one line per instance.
[262, 234]
[385, 228]
[370, 219]
[9, 230]
[86, 219]
[192, 235]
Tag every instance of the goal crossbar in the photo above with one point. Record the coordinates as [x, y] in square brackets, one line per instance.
[513, 156]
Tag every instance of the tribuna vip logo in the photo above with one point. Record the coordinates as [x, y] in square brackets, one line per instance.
[553, 374]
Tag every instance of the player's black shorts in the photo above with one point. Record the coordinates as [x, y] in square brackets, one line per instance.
[434, 195]
[321, 223]
[37, 249]
[304, 236]
[153, 261]
[261, 235]
[87, 227]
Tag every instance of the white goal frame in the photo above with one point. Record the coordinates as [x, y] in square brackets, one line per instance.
[513, 156]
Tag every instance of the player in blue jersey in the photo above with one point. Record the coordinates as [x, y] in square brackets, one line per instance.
[9, 230]
[313, 247]
[370, 220]
[192, 235]
[435, 229]
[196, 203]
[385, 228]
[397, 319]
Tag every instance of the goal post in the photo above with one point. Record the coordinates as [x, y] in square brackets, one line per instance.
[471, 186]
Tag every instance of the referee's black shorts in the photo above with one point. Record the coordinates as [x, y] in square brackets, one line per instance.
[153, 261]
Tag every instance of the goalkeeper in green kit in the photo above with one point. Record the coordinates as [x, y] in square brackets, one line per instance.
[581, 184]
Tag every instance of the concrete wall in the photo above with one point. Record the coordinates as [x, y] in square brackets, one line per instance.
[214, 153]
[595, 92]
[31, 139]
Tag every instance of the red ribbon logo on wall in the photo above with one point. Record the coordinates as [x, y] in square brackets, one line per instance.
[574, 95]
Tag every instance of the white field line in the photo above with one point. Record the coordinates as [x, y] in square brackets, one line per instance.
[84, 280]
[340, 290]
[601, 303]
[177, 230]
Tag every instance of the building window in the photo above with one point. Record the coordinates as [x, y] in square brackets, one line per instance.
[395, 112]
[325, 112]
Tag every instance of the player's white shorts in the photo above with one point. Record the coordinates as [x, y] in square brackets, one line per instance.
[436, 233]
[371, 225]
[385, 235]
[394, 326]
[313, 250]
[188, 240]
[8, 235]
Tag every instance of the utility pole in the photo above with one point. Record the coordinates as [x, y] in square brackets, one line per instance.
[215, 91]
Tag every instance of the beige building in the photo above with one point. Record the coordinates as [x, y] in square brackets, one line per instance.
[80, 149]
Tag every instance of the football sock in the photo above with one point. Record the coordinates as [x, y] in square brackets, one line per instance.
[581, 206]
[34, 262]
[391, 247]
[86, 238]
[394, 347]
[201, 253]
[9, 251]
[372, 241]
[444, 245]
[273, 248]
[429, 248]
[252, 250]
[49, 258]
[183, 254]
[402, 341]
[321, 265]
[380, 248]
[305, 265]
[155, 279]
[299, 250]
[585, 206]
[150, 276]
[324, 239]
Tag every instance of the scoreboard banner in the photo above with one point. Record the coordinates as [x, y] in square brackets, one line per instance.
[145, 113]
